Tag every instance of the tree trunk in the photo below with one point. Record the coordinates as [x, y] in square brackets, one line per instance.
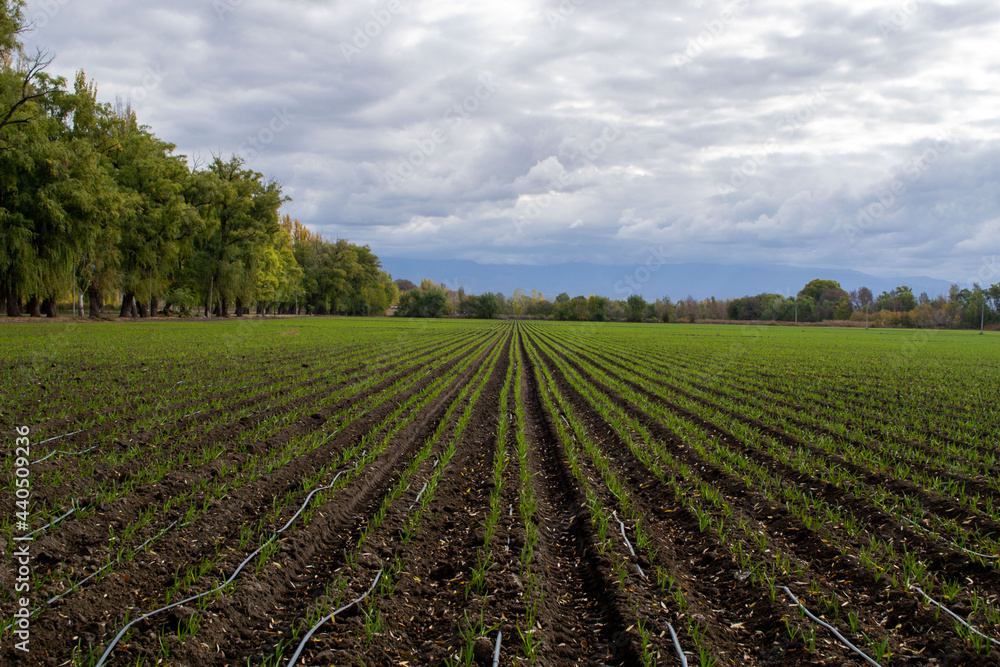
[223, 307]
[209, 298]
[13, 304]
[142, 308]
[239, 307]
[128, 305]
[49, 307]
[94, 295]
[34, 306]
[154, 306]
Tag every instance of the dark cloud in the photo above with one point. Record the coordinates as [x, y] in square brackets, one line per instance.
[546, 132]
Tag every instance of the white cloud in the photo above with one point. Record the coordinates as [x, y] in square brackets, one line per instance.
[786, 124]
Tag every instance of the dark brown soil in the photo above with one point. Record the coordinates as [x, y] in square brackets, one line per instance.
[589, 612]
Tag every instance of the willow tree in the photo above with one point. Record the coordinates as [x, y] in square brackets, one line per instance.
[22, 77]
[93, 199]
[240, 208]
[156, 227]
[59, 205]
[25, 148]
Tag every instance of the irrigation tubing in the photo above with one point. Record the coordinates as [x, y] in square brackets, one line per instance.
[952, 542]
[52, 523]
[83, 581]
[121, 633]
[566, 421]
[496, 651]
[61, 451]
[75, 586]
[953, 615]
[829, 627]
[677, 646]
[64, 435]
[624, 537]
[436, 461]
[418, 496]
[628, 544]
[302, 644]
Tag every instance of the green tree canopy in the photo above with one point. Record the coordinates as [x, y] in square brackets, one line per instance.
[429, 300]
[487, 306]
[814, 288]
[635, 308]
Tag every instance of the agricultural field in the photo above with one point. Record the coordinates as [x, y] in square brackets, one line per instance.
[410, 492]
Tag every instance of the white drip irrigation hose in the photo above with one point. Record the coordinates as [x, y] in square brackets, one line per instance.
[121, 633]
[83, 581]
[418, 496]
[496, 650]
[62, 451]
[52, 523]
[566, 421]
[64, 435]
[829, 627]
[953, 614]
[624, 537]
[628, 544]
[302, 644]
[952, 542]
[677, 646]
[436, 461]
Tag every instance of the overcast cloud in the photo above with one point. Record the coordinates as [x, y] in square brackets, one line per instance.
[849, 133]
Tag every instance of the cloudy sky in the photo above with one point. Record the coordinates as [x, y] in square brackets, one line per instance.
[861, 134]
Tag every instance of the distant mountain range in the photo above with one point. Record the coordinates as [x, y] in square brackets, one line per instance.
[651, 281]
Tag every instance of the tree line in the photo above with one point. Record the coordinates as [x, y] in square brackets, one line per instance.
[92, 202]
[823, 300]
[818, 301]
